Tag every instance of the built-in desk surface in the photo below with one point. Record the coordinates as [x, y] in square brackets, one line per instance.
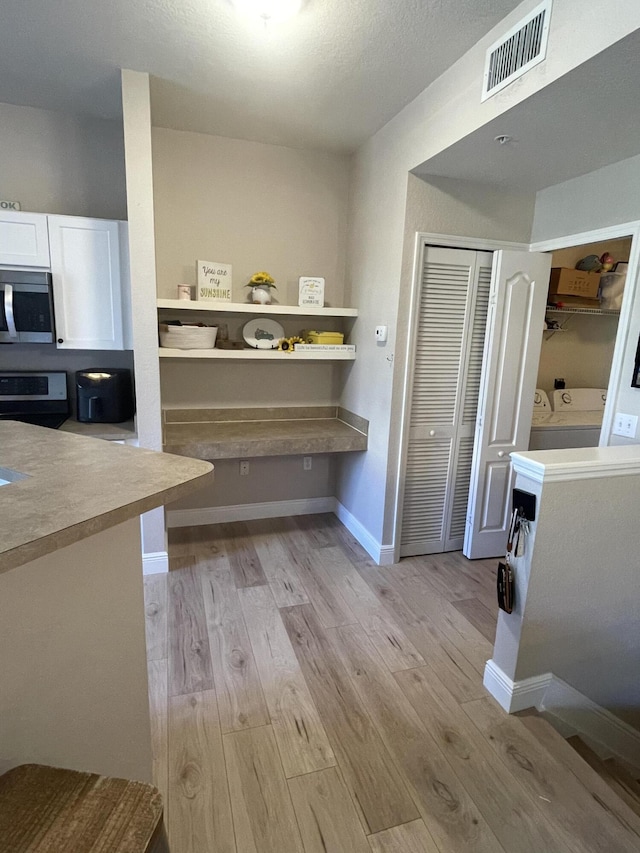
[251, 432]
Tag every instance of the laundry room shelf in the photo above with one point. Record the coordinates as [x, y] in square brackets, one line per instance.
[594, 311]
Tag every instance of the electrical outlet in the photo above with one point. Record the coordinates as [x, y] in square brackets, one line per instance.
[244, 467]
[307, 462]
[625, 425]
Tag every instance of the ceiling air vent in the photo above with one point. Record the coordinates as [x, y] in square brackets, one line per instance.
[524, 46]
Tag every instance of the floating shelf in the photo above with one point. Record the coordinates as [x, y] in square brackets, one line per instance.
[256, 354]
[249, 308]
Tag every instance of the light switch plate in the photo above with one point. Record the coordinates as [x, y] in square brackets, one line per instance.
[625, 425]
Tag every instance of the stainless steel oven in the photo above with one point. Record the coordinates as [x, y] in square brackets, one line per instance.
[35, 397]
[26, 307]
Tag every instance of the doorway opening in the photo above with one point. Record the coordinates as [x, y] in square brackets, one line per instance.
[577, 348]
[587, 354]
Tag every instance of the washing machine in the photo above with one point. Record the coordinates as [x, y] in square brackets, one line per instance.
[574, 420]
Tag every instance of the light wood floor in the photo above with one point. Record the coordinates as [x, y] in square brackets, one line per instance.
[304, 699]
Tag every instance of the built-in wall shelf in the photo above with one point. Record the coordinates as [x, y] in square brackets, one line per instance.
[257, 355]
[249, 308]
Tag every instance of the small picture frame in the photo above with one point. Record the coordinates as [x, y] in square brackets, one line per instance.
[214, 281]
[311, 291]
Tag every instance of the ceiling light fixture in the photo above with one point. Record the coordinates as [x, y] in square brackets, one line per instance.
[269, 10]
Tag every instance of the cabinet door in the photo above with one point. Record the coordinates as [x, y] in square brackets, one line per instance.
[85, 265]
[24, 241]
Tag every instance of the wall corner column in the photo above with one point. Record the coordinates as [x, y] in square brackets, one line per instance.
[136, 119]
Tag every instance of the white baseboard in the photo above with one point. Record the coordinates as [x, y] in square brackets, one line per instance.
[610, 735]
[387, 556]
[570, 711]
[515, 695]
[382, 554]
[155, 563]
[247, 512]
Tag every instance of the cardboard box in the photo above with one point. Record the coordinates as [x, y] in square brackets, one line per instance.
[568, 282]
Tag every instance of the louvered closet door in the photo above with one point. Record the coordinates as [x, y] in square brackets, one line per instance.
[449, 342]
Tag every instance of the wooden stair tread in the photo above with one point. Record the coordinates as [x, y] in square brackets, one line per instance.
[631, 785]
[599, 789]
[49, 809]
[601, 768]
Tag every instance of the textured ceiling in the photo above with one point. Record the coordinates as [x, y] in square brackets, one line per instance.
[585, 120]
[328, 78]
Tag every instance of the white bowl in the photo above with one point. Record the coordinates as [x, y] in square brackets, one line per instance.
[188, 337]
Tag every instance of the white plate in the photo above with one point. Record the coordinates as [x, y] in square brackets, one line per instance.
[262, 333]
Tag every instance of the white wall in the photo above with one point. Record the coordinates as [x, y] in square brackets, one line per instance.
[581, 354]
[60, 163]
[251, 205]
[270, 478]
[256, 207]
[580, 205]
[445, 112]
[577, 594]
[438, 206]
[136, 109]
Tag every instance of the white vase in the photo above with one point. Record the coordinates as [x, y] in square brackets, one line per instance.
[261, 295]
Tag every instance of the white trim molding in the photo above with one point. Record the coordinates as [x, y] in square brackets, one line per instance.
[155, 563]
[570, 711]
[515, 695]
[618, 366]
[383, 555]
[248, 512]
[578, 463]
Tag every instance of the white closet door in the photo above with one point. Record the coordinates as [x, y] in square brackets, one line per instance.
[514, 335]
[447, 370]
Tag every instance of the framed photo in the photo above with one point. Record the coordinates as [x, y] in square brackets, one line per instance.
[214, 281]
[311, 291]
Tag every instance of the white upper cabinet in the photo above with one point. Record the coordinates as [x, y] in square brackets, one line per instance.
[23, 240]
[87, 286]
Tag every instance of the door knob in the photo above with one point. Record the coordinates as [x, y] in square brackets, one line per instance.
[500, 454]
[432, 432]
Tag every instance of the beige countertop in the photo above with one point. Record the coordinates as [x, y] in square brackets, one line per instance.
[108, 432]
[215, 434]
[74, 486]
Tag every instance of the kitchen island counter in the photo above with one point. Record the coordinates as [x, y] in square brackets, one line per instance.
[73, 663]
[74, 487]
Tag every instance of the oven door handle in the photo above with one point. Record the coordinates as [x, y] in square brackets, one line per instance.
[8, 311]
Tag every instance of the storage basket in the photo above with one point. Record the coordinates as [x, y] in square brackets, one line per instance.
[312, 337]
[188, 337]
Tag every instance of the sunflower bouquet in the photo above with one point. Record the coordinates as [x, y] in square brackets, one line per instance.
[261, 279]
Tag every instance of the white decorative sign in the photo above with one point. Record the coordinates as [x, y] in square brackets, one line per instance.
[214, 281]
[311, 291]
[10, 205]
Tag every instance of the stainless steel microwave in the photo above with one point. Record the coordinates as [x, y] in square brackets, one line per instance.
[26, 307]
